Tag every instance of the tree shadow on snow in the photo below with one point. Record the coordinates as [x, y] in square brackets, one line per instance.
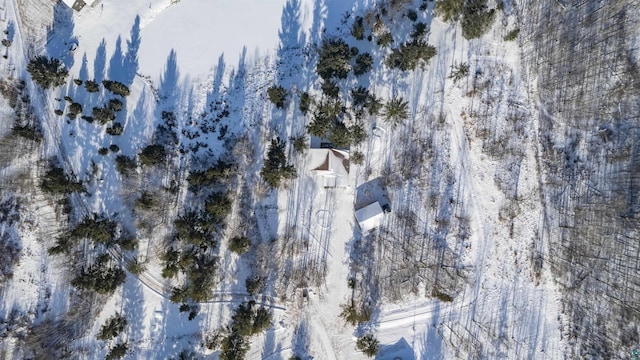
[100, 62]
[61, 43]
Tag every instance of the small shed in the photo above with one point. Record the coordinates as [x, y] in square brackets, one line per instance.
[76, 5]
[370, 216]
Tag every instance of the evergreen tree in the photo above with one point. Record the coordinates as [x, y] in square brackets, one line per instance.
[116, 87]
[275, 168]
[357, 30]
[117, 352]
[408, 55]
[114, 326]
[277, 95]
[91, 86]
[368, 345]
[239, 244]
[476, 19]
[395, 111]
[334, 59]
[363, 65]
[152, 155]
[56, 182]
[449, 10]
[48, 73]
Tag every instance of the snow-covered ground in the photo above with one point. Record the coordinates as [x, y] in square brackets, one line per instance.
[188, 54]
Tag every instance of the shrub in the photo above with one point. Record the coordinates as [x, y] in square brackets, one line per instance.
[103, 114]
[512, 35]
[357, 30]
[115, 129]
[115, 105]
[103, 151]
[459, 71]
[356, 158]
[277, 95]
[152, 155]
[412, 15]
[275, 168]
[75, 108]
[56, 182]
[77, 82]
[239, 244]
[48, 73]
[363, 65]
[116, 87]
[441, 296]
[117, 352]
[385, 39]
[395, 111]
[305, 102]
[125, 165]
[29, 132]
[114, 326]
[353, 315]
[136, 267]
[368, 345]
[68, 99]
[408, 55]
[128, 242]
[58, 112]
[71, 115]
[114, 148]
[88, 119]
[334, 59]
[6, 42]
[146, 201]
[91, 86]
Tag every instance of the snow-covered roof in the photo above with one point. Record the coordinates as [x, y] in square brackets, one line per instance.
[332, 164]
[370, 216]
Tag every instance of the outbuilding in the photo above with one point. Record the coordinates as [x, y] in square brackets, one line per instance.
[76, 5]
[370, 216]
